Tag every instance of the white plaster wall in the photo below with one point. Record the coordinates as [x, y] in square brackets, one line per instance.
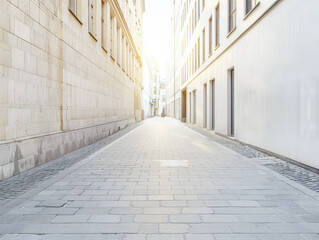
[276, 81]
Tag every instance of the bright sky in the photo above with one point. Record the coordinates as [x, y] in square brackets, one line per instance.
[156, 32]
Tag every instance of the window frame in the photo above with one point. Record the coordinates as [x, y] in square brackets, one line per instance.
[217, 26]
[92, 18]
[254, 6]
[232, 15]
[203, 45]
[76, 12]
[210, 35]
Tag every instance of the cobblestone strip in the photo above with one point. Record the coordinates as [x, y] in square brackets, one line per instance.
[16, 186]
[306, 177]
[233, 145]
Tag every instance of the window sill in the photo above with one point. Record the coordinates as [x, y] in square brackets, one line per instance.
[93, 36]
[257, 4]
[104, 49]
[210, 54]
[217, 47]
[76, 17]
[231, 31]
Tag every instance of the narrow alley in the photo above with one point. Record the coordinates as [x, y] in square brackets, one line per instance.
[163, 180]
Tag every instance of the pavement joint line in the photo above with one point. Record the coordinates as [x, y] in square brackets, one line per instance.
[47, 183]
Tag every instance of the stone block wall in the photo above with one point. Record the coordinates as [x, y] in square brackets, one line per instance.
[59, 89]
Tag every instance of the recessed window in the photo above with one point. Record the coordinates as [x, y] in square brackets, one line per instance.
[232, 15]
[75, 8]
[217, 26]
[103, 24]
[198, 9]
[210, 35]
[92, 17]
[204, 46]
[198, 53]
[250, 4]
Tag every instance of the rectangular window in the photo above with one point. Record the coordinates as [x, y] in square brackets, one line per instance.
[123, 51]
[91, 17]
[210, 36]
[193, 21]
[198, 53]
[118, 43]
[217, 26]
[231, 15]
[203, 4]
[198, 9]
[204, 46]
[193, 61]
[196, 57]
[111, 36]
[250, 4]
[196, 14]
[103, 24]
[73, 6]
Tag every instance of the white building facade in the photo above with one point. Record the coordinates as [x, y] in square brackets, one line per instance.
[249, 70]
[148, 85]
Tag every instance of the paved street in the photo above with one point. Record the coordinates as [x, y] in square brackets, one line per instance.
[163, 180]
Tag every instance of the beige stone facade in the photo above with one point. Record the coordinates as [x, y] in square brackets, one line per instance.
[70, 74]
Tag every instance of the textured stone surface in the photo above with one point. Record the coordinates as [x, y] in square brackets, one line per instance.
[123, 192]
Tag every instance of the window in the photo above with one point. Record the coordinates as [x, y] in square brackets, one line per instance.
[217, 26]
[198, 9]
[91, 17]
[119, 31]
[210, 36]
[75, 8]
[250, 4]
[196, 13]
[203, 48]
[198, 53]
[195, 57]
[123, 51]
[193, 61]
[193, 22]
[111, 36]
[232, 15]
[103, 24]
[72, 6]
[203, 4]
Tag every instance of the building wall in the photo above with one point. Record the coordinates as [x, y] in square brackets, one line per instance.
[60, 89]
[273, 52]
[148, 92]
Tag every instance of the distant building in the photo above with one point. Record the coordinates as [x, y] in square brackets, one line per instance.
[148, 94]
[249, 70]
[162, 99]
[71, 74]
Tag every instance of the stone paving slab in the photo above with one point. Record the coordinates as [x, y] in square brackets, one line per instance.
[165, 181]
